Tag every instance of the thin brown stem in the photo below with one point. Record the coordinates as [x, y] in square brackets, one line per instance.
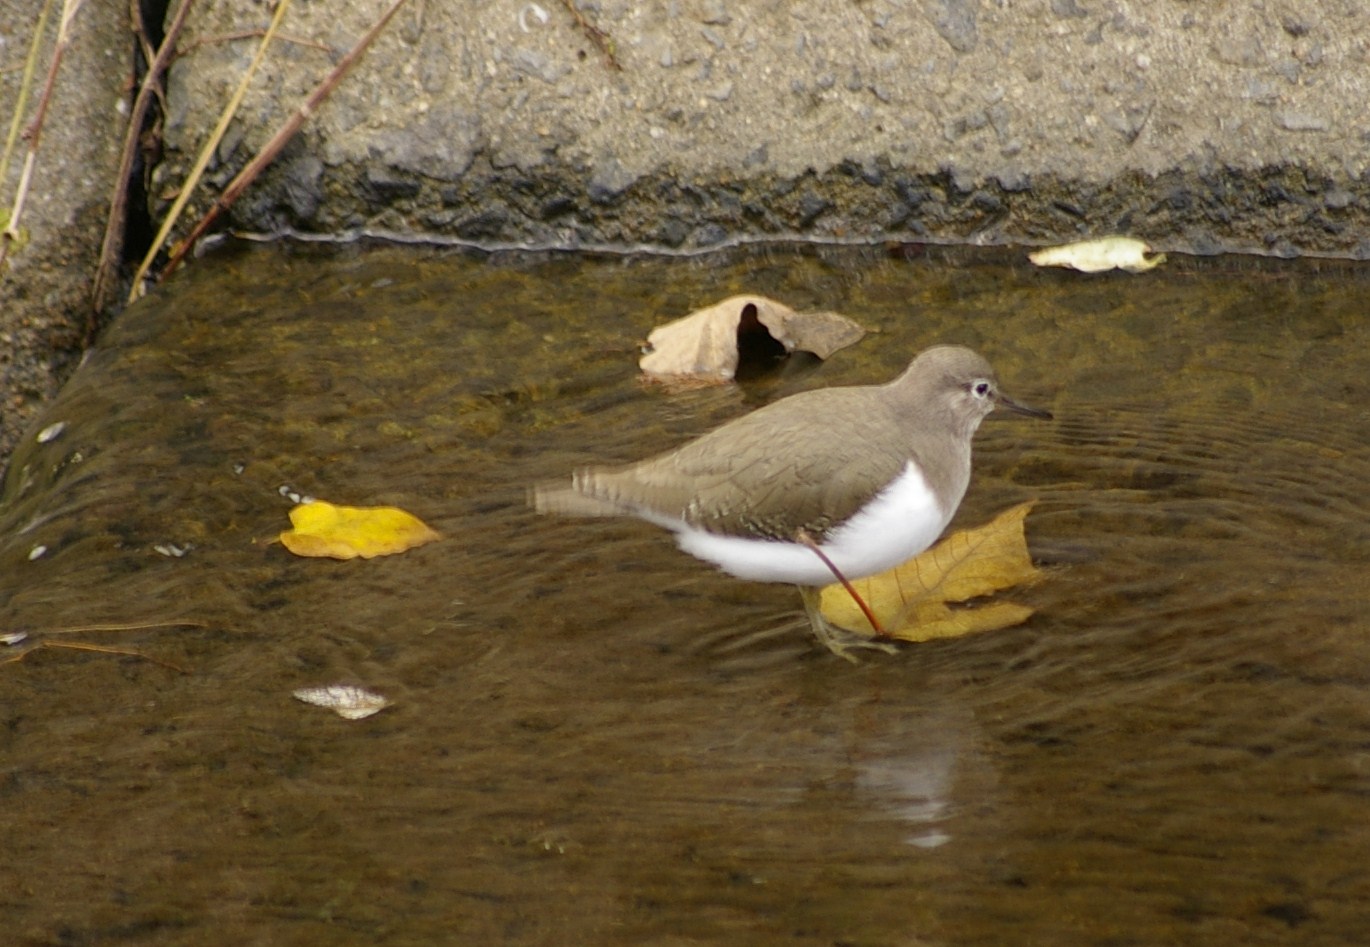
[135, 15]
[112, 246]
[252, 34]
[278, 141]
[207, 150]
[25, 86]
[602, 40]
[24, 650]
[98, 649]
[125, 626]
[33, 133]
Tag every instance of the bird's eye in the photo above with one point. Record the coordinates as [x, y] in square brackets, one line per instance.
[981, 389]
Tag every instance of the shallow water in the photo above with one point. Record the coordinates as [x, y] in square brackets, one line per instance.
[597, 740]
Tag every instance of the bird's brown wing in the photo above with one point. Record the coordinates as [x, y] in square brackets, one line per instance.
[770, 473]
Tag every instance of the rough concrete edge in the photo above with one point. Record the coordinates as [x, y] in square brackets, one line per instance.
[1209, 211]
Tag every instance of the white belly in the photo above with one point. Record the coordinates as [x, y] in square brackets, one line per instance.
[900, 522]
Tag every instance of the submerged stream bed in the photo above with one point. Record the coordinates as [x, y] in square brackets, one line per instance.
[596, 739]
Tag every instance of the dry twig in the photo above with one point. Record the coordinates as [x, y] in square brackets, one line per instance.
[278, 141]
[602, 40]
[34, 132]
[27, 648]
[206, 152]
[252, 34]
[112, 247]
[25, 85]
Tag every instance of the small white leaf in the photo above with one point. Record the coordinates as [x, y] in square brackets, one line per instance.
[348, 702]
[1095, 256]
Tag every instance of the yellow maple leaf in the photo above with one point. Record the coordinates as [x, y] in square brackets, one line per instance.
[913, 601]
[345, 532]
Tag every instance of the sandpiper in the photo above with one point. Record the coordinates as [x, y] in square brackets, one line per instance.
[835, 483]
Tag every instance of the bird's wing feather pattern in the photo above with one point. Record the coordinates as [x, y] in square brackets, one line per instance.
[807, 478]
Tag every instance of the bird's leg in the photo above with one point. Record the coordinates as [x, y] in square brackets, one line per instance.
[806, 540]
[837, 640]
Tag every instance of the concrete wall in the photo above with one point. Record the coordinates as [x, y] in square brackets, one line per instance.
[45, 317]
[1200, 126]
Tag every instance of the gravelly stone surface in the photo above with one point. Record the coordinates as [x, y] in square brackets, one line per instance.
[45, 318]
[1200, 127]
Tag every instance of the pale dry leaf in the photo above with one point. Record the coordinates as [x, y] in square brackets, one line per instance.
[346, 700]
[1096, 256]
[821, 333]
[704, 344]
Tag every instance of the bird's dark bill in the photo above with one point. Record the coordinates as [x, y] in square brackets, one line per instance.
[1008, 404]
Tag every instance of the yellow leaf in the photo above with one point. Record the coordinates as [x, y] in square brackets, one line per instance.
[913, 601]
[345, 532]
